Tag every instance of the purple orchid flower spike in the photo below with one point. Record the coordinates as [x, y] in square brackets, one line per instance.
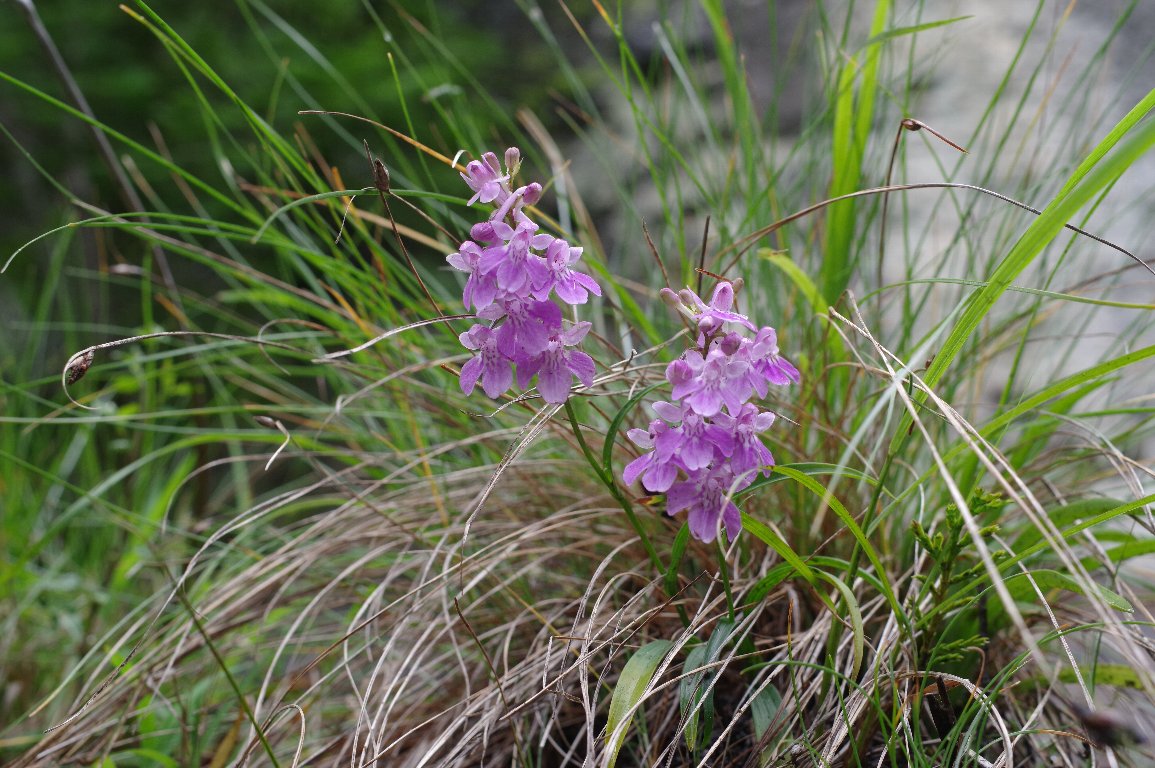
[511, 278]
[706, 445]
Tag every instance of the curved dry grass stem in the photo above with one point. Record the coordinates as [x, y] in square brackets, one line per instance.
[743, 245]
[79, 364]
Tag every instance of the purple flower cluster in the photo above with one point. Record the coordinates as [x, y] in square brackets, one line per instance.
[705, 447]
[513, 270]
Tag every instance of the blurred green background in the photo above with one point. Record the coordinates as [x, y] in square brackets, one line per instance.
[280, 58]
[62, 573]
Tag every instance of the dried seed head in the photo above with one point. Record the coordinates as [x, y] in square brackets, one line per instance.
[79, 365]
[266, 421]
[380, 176]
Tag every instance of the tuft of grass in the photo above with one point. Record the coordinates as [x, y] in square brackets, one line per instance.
[265, 526]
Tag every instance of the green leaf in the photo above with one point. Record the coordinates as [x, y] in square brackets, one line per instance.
[857, 626]
[768, 536]
[1020, 588]
[690, 692]
[628, 693]
[1093, 176]
[308, 200]
[677, 551]
[763, 709]
[1064, 516]
[800, 279]
[153, 757]
[1023, 554]
[853, 119]
[814, 468]
[766, 584]
[1123, 552]
[1110, 140]
[695, 687]
[855, 531]
[616, 425]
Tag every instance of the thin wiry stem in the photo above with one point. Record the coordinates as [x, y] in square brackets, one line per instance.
[613, 488]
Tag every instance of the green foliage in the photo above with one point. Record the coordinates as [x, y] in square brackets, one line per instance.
[696, 690]
[955, 564]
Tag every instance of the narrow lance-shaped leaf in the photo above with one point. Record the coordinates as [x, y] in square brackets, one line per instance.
[628, 693]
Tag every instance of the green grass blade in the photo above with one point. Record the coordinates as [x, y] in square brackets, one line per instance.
[1038, 235]
[851, 525]
[770, 537]
[890, 34]
[1021, 588]
[853, 118]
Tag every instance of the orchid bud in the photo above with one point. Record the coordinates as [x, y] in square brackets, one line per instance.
[512, 161]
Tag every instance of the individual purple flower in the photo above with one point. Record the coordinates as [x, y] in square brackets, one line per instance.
[484, 177]
[557, 365]
[657, 468]
[481, 286]
[707, 383]
[516, 268]
[710, 318]
[527, 328]
[514, 204]
[512, 161]
[488, 364]
[748, 452]
[706, 494]
[571, 287]
[696, 442]
[768, 363]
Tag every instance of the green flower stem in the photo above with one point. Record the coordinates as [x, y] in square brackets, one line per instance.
[868, 520]
[612, 486]
[724, 571]
[233, 683]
